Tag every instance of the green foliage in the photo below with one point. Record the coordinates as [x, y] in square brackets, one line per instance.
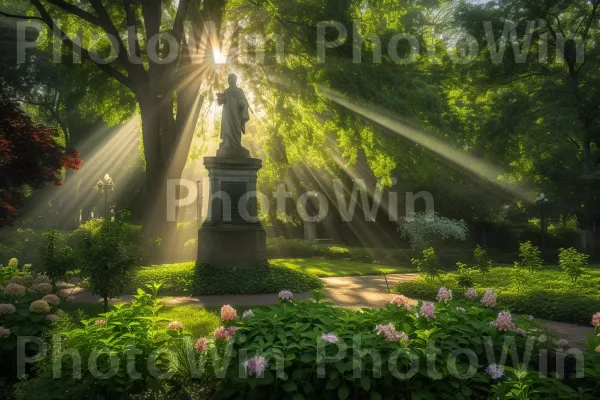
[137, 324]
[482, 262]
[530, 257]
[289, 337]
[177, 279]
[196, 320]
[56, 257]
[465, 275]
[428, 263]
[107, 250]
[572, 262]
[548, 294]
[265, 278]
[337, 251]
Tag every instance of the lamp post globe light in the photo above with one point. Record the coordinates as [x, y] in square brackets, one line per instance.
[540, 201]
[105, 186]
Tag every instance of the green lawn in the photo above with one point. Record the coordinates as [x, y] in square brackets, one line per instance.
[178, 278]
[545, 294]
[327, 268]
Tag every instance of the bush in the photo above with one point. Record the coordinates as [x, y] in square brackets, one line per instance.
[428, 263]
[465, 275]
[265, 278]
[176, 279]
[422, 230]
[530, 257]
[548, 294]
[135, 326]
[56, 257]
[572, 262]
[482, 262]
[316, 351]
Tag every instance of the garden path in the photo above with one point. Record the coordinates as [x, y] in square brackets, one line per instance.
[351, 292]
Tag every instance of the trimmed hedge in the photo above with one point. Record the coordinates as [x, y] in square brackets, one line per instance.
[545, 294]
[265, 278]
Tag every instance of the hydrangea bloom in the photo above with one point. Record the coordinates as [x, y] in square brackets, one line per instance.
[596, 319]
[13, 263]
[14, 290]
[331, 338]
[444, 295]
[563, 343]
[520, 331]
[100, 322]
[390, 334]
[460, 309]
[225, 333]
[471, 293]
[44, 288]
[65, 293]
[401, 301]
[39, 306]
[202, 344]
[175, 325]
[228, 313]
[286, 295]
[248, 314]
[495, 371]
[4, 332]
[503, 322]
[51, 318]
[42, 279]
[7, 309]
[489, 298]
[51, 299]
[428, 310]
[256, 365]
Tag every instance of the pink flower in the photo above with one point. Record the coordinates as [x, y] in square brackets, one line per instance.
[503, 322]
[228, 313]
[331, 338]
[597, 349]
[202, 344]
[7, 309]
[471, 293]
[564, 343]
[428, 310]
[175, 325]
[225, 333]
[100, 322]
[390, 334]
[489, 298]
[444, 295]
[51, 318]
[401, 301]
[39, 306]
[4, 332]
[256, 365]
[520, 331]
[596, 319]
[248, 314]
[51, 299]
[286, 295]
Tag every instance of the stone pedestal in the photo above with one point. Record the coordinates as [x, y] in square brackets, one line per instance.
[232, 235]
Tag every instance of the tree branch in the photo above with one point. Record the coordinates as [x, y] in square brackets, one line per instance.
[74, 47]
[107, 24]
[71, 9]
[25, 17]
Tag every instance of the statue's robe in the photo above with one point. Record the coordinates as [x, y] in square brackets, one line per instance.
[235, 116]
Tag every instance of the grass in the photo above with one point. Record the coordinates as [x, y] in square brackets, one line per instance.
[327, 268]
[178, 278]
[545, 294]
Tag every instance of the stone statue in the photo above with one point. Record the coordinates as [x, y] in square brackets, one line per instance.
[235, 116]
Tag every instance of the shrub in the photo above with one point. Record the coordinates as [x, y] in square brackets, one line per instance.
[572, 262]
[482, 262]
[313, 350]
[530, 257]
[338, 252]
[176, 279]
[428, 263]
[56, 257]
[265, 278]
[465, 275]
[115, 333]
[422, 229]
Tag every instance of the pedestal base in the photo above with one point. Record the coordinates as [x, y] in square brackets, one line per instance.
[232, 245]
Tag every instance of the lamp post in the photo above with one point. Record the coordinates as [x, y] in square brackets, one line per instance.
[105, 185]
[540, 201]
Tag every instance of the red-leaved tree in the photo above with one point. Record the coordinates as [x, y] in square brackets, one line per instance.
[29, 157]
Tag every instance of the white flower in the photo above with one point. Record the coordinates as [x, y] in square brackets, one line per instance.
[248, 314]
[495, 371]
[421, 228]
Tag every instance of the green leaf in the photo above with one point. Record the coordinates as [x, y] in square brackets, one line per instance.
[343, 392]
